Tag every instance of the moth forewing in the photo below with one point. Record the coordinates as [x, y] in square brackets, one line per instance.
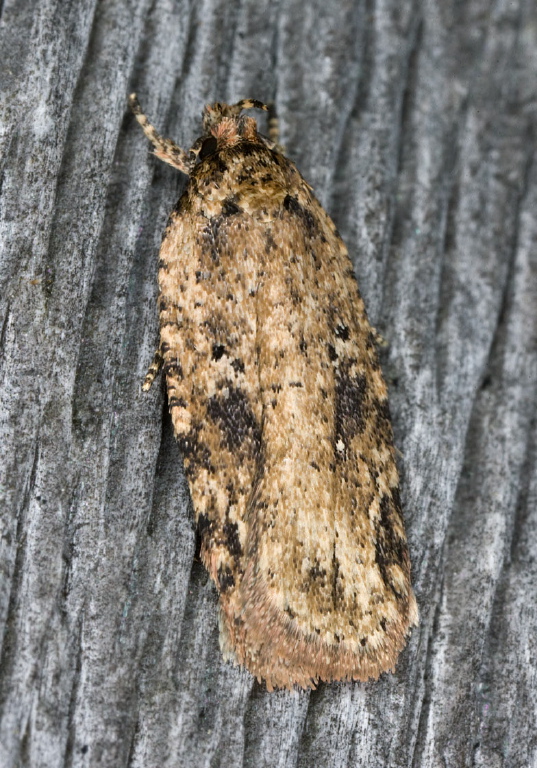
[281, 412]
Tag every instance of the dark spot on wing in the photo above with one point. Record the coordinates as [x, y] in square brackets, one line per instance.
[235, 418]
[316, 572]
[307, 219]
[210, 235]
[383, 421]
[219, 351]
[195, 453]
[390, 549]
[215, 230]
[230, 207]
[371, 342]
[226, 580]
[270, 243]
[332, 354]
[238, 365]
[349, 401]
[232, 540]
[249, 148]
[292, 205]
[342, 332]
[289, 611]
[217, 167]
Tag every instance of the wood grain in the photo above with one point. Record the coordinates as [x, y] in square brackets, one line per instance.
[415, 122]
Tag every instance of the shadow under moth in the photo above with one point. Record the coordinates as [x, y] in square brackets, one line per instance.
[281, 413]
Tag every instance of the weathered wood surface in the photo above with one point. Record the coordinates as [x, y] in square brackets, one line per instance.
[416, 124]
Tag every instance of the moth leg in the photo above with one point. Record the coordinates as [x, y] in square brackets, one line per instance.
[379, 339]
[165, 149]
[153, 371]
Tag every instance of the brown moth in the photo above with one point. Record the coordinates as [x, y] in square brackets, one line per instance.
[281, 413]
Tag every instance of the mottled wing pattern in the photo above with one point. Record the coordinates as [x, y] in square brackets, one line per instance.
[281, 412]
[208, 331]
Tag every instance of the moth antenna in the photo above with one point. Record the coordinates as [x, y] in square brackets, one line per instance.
[249, 104]
[165, 149]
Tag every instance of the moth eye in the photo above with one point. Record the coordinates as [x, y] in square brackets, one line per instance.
[208, 147]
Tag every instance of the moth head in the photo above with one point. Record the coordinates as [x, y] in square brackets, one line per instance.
[214, 114]
[224, 125]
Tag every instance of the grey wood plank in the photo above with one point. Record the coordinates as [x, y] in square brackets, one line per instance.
[415, 121]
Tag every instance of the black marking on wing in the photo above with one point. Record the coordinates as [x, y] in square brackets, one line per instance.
[235, 418]
[349, 401]
[306, 217]
[390, 548]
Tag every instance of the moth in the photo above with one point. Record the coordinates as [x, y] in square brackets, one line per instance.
[281, 413]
